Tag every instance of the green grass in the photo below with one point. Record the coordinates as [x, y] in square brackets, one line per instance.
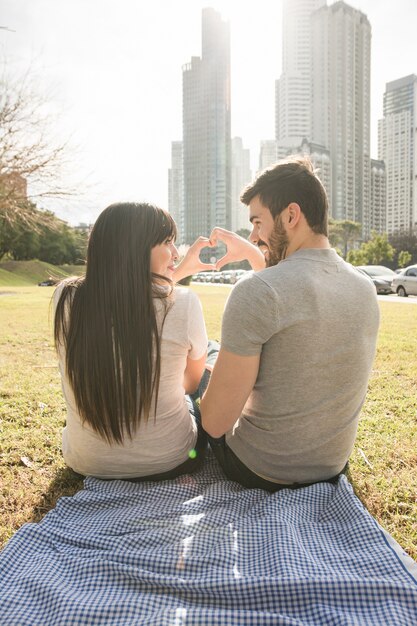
[32, 414]
[9, 279]
[387, 480]
[213, 299]
[34, 272]
[72, 270]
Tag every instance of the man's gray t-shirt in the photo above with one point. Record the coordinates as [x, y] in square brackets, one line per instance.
[313, 319]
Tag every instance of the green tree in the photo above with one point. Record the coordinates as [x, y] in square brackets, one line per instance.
[334, 233]
[57, 241]
[356, 257]
[25, 246]
[14, 232]
[404, 258]
[404, 241]
[345, 232]
[377, 249]
[47, 238]
[80, 242]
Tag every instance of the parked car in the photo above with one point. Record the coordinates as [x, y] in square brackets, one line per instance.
[239, 274]
[47, 283]
[203, 277]
[405, 284]
[230, 277]
[216, 277]
[381, 276]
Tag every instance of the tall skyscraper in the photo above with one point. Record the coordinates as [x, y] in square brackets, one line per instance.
[323, 100]
[206, 131]
[378, 214]
[175, 189]
[397, 146]
[293, 89]
[241, 176]
[341, 66]
[267, 153]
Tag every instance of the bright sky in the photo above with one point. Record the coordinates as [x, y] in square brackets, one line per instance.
[112, 71]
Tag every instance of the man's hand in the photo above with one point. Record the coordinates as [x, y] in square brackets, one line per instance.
[191, 263]
[238, 249]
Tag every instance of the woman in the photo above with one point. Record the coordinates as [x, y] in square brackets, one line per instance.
[129, 344]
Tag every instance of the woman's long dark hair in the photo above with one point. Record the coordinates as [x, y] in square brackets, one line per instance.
[107, 321]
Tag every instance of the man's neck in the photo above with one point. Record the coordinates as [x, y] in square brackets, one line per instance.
[312, 240]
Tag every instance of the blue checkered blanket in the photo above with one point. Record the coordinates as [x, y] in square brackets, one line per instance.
[203, 551]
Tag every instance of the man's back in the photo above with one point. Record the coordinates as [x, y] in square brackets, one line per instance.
[314, 320]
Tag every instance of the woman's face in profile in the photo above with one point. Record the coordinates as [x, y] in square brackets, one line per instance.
[163, 257]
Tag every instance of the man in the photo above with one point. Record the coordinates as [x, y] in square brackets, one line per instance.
[298, 342]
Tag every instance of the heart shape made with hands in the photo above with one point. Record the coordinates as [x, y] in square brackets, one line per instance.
[210, 251]
[211, 254]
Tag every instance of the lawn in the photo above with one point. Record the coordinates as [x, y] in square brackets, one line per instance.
[32, 414]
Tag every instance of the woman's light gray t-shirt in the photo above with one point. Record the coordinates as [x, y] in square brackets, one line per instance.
[314, 320]
[159, 444]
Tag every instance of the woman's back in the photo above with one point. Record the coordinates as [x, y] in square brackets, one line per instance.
[162, 442]
[128, 345]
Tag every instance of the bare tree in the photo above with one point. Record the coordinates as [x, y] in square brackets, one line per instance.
[31, 161]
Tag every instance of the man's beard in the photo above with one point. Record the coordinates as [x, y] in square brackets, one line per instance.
[263, 247]
[278, 243]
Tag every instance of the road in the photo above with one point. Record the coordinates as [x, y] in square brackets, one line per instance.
[391, 298]
[394, 298]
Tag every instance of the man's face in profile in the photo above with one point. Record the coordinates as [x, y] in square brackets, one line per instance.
[267, 233]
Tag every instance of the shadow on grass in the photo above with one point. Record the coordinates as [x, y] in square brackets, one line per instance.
[65, 483]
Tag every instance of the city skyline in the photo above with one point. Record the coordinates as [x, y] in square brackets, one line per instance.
[397, 143]
[340, 116]
[88, 59]
[206, 131]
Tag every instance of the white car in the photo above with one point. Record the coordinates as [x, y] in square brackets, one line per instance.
[405, 284]
[231, 277]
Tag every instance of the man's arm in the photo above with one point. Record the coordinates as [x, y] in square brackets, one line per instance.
[238, 249]
[231, 382]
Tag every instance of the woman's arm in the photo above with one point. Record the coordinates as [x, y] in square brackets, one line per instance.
[193, 373]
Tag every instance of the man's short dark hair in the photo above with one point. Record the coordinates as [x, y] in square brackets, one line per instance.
[289, 181]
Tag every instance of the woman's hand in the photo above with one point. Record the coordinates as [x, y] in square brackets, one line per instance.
[191, 263]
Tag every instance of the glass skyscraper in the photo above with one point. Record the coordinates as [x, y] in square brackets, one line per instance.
[397, 146]
[206, 132]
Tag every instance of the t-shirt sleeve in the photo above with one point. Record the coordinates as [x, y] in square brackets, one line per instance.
[197, 335]
[250, 317]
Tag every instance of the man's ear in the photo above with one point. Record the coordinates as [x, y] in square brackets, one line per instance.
[294, 214]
